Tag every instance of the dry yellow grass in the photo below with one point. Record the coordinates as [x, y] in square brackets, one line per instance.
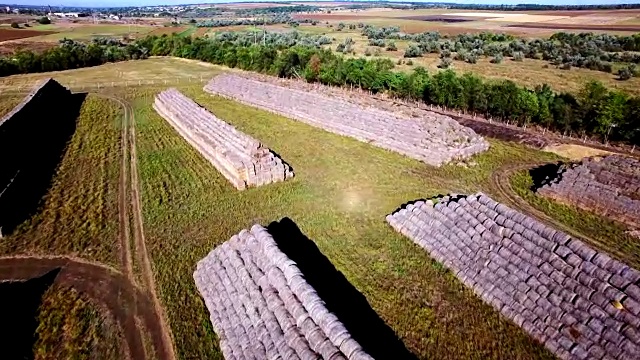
[575, 152]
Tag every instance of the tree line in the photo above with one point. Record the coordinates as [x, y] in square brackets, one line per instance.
[595, 111]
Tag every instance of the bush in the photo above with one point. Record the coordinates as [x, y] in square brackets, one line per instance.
[471, 58]
[400, 62]
[27, 25]
[497, 59]
[412, 51]
[367, 52]
[624, 74]
[445, 63]
[391, 46]
[377, 52]
[565, 66]
[409, 62]
[192, 21]
[518, 56]
[15, 25]
[44, 21]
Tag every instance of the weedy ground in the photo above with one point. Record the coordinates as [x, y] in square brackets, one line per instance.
[342, 191]
[72, 327]
[79, 214]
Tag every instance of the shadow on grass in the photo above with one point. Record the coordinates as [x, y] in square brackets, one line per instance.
[32, 143]
[19, 305]
[545, 174]
[341, 298]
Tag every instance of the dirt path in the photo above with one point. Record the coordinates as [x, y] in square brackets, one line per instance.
[106, 286]
[501, 184]
[124, 240]
[130, 187]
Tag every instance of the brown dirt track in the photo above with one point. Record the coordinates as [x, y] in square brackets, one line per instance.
[6, 34]
[104, 285]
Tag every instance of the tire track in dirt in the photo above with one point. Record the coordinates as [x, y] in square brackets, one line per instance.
[107, 287]
[501, 183]
[124, 240]
[166, 351]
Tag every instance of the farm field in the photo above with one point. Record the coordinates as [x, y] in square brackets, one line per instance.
[530, 23]
[89, 31]
[7, 34]
[339, 198]
[155, 71]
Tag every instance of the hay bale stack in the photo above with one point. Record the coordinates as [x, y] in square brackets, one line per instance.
[239, 157]
[436, 140]
[578, 302]
[609, 186]
[261, 307]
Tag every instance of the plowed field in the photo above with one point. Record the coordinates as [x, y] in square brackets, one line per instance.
[6, 34]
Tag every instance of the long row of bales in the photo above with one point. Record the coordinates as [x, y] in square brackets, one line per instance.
[578, 302]
[239, 158]
[435, 140]
[262, 307]
[609, 186]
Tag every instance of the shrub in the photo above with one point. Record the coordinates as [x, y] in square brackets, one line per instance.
[518, 56]
[377, 52]
[367, 52]
[412, 51]
[565, 66]
[471, 58]
[497, 59]
[409, 62]
[624, 74]
[15, 25]
[445, 63]
[445, 53]
[27, 25]
[400, 62]
[391, 46]
[44, 21]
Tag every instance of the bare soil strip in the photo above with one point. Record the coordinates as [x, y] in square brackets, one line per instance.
[123, 198]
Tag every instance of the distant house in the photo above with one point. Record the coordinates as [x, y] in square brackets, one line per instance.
[66, 15]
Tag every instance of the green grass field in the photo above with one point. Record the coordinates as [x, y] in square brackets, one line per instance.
[342, 191]
[90, 31]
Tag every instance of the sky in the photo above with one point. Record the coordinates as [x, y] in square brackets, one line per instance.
[105, 3]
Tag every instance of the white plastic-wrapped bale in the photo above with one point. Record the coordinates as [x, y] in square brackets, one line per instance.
[240, 158]
[578, 302]
[435, 140]
[261, 307]
[609, 186]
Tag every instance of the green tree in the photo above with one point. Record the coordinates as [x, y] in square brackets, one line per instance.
[44, 21]
[612, 114]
